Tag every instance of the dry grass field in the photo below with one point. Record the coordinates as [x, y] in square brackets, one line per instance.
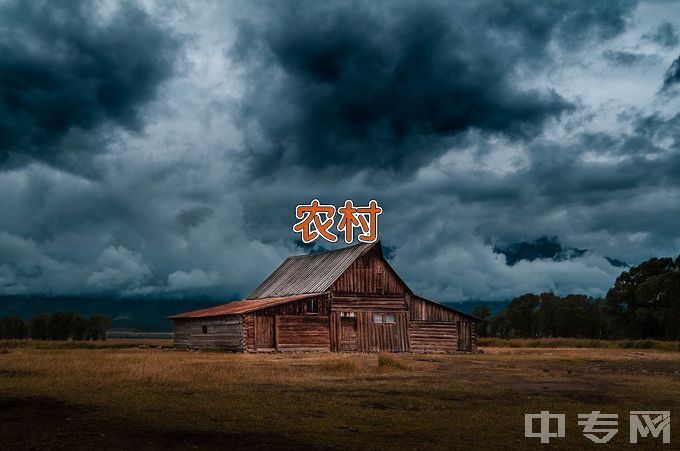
[125, 396]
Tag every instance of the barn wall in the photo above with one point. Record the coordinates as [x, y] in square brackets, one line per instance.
[433, 337]
[424, 310]
[373, 337]
[302, 333]
[299, 307]
[471, 326]
[182, 333]
[295, 327]
[249, 332]
[474, 336]
[369, 274]
[434, 328]
[334, 331]
[225, 332]
[346, 303]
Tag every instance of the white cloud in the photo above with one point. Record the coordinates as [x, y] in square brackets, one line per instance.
[196, 278]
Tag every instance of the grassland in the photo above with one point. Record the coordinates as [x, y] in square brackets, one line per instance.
[147, 396]
[579, 343]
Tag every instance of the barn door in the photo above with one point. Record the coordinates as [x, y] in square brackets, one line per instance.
[348, 333]
[464, 336]
[264, 332]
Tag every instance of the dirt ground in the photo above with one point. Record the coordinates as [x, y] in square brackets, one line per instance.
[151, 397]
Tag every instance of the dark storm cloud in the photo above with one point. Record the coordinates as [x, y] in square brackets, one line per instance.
[655, 126]
[64, 65]
[672, 77]
[505, 117]
[389, 84]
[569, 24]
[191, 218]
[623, 58]
[665, 35]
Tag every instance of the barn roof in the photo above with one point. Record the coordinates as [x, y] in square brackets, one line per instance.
[241, 307]
[313, 273]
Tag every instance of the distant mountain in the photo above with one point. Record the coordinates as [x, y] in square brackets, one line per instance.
[139, 314]
[617, 263]
[545, 248]
[146, 315]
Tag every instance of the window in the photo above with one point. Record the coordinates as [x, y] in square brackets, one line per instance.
[348, 314]
[384, 318]
[313, 306]
[205, 329]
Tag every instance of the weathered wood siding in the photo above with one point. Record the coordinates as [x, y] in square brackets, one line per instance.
[224, 332]
[249, 332]
[334, 329]
[296, 326]
[372, 337]
[265, 332]
[299, 307]
[369, 286]
[473, 329]
[434, 328]
[182, 333]
[367, 336]
[344, 303]
[424, 310]
[302, 333]
[369, 274]
[433, 337]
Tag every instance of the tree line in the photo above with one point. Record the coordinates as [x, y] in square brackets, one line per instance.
[58, 326]
[644, 303]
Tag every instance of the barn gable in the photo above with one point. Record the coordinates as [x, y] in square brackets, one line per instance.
[370, 274]
[313, 273]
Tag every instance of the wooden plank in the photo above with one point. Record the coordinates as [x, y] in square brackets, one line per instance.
[348, 334]
[334, 331]
[369, 274]
[372, 337]
[299, 307]
[422, 310]
[432, 337]
[264, 331]
[296, 333]
[220, 332]
[348, 303]
[249, 333]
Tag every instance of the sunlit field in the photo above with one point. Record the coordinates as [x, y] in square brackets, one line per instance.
[147, 395]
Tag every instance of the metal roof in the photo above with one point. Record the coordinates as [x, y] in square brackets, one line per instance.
[313, 273]
[241, 307]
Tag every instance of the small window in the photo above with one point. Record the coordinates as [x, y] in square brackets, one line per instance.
[348, 314]
[389, 319]
[377, 318]
[205, 329]
[313, 306]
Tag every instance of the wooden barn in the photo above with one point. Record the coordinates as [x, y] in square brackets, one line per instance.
[342, 300]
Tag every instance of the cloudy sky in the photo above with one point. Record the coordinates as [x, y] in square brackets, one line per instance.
[160, 148]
